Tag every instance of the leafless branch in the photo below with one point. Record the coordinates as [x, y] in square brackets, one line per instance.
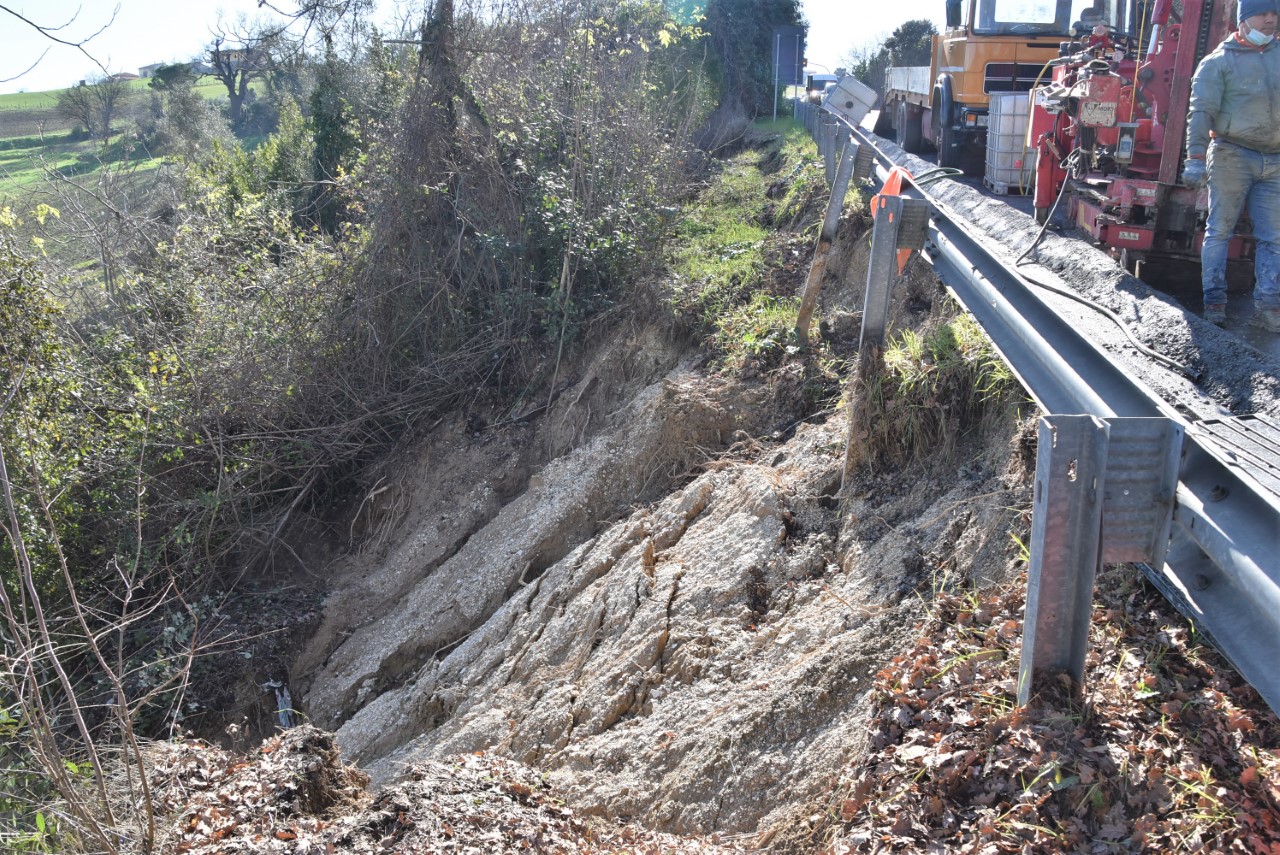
[51, 34]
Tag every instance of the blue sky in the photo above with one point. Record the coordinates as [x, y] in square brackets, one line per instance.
[149, 31]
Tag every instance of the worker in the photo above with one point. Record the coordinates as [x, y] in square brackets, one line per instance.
[1233, 145]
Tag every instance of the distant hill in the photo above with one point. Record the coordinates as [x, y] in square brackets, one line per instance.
[26, 114]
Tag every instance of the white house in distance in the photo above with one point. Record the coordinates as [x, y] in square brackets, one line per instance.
[148, 71]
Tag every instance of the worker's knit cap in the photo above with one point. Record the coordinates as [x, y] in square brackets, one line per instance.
[1249, 8]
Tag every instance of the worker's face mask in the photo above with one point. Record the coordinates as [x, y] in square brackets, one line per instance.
[1258, 38]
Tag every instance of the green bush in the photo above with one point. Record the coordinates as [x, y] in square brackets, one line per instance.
[26, 822]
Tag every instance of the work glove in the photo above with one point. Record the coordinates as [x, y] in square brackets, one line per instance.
[1194, 174]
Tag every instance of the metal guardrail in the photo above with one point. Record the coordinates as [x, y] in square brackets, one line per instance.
[1213, 544]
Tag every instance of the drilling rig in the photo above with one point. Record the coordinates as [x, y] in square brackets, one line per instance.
[1109, 129]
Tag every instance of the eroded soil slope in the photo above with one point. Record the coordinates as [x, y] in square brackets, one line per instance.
[657, 586]
[692, 650]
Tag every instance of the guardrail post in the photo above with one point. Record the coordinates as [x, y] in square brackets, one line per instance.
[1143, 457]
[864, 163]
[900, 223]
[1066, 548]
[835, 205]
[813, 283]
[829, 149]
[839, 142]
[1121, 470]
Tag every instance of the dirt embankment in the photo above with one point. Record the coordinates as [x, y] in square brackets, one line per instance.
[690, 650]
[663, 592]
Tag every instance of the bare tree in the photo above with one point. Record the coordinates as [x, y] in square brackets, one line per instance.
[95, 104]
[236, 58]
[324, 15]
[244, 51]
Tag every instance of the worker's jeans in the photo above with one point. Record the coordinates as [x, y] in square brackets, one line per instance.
[1240, 176]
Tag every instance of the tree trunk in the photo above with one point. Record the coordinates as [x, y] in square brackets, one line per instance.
[436, 62]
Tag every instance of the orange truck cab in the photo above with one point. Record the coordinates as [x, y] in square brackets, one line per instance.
[988, 47]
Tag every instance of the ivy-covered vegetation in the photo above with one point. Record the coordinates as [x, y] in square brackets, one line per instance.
[741, 33]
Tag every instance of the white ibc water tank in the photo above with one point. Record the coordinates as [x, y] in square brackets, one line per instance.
[1011, 165]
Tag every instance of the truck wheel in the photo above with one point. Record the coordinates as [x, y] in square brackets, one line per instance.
[909, 121]
[944, 140]
[956, 151]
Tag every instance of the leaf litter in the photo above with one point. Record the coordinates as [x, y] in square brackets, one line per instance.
[294, 795]
[1166, 750]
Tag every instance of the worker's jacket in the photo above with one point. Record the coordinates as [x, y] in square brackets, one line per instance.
[1236, 95]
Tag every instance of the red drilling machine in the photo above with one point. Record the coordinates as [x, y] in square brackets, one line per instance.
[1109, 126]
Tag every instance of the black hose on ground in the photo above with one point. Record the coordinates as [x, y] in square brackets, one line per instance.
[1160, 358]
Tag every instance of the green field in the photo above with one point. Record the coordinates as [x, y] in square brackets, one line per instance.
[25, 162]
[30, 114]
[29, 100]
[35, 138]
[207, 86]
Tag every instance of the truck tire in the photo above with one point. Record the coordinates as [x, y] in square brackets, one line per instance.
[944, 140]
[956, 151]
[910, 136]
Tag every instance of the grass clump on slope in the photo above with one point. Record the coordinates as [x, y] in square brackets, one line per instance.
[932, 388]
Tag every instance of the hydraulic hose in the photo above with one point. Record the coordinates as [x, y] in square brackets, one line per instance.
[1160, 358]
